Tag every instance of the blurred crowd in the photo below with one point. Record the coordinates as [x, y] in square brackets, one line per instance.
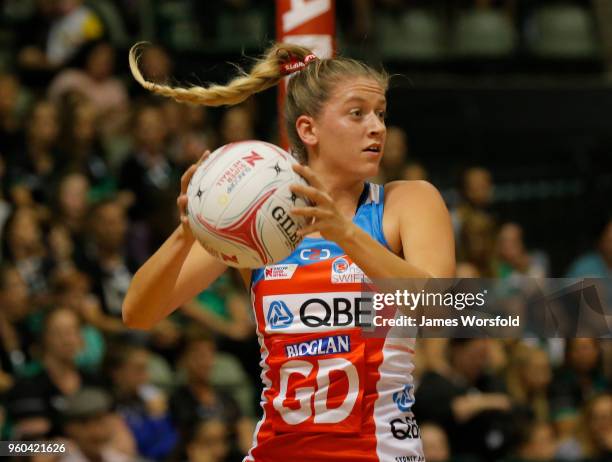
[89, 174]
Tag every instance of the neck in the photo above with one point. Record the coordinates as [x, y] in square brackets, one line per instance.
[344, 191]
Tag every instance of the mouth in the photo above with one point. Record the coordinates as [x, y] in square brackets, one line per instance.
[373, 148]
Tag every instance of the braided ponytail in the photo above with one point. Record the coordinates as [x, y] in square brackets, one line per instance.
[266, 73]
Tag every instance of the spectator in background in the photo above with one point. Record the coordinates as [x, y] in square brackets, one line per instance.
[71, 289]
[31, 54]
[81, 142]
[476, 242]
[593, 439]
[198, 400]
[396, 154]
[208, 442]
[11, 125]
[25, 248]
[152, 178]
[5, 205]
[95, 81]
[435, 442]
[596, 264]
[513, 259]
[94, 431]
[476, 192]
[237, 124]
[467, 401]
[37, 163]
[222, 309]
[536, 442]
[528, 379]
[414, 171]
[16, 335]
[143, 406]
[55, 33]
[106, 261]
[197, 120]
[155, 64]
[71, 206]
[45, 391]
[467, 270]
[580, 378]
[188, 133]
[74, 25]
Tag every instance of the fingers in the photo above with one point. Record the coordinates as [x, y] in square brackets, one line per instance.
[313, 212]
[204, 156]
[187, 177]
[181, 202]
[191, 170]
[309, 175]
[315, 195]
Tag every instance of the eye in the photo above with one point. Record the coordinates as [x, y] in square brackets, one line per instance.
[382, 115]
[356, 112]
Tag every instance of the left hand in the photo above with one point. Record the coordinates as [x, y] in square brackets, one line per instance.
[325, 217]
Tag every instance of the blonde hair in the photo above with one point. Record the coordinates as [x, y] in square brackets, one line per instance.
[307, 90]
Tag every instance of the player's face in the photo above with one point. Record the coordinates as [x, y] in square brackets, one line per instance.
[350, 129]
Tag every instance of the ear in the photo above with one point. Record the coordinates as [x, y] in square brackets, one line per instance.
[307, 130]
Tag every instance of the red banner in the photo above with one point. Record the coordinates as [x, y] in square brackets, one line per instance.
[308, 23]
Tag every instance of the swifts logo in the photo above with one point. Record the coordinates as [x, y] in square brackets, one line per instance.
[343, 271]
[340, 265]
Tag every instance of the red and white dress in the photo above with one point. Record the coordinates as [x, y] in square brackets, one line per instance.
[330, 392]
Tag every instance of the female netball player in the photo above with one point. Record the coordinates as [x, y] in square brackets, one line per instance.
[330, 393]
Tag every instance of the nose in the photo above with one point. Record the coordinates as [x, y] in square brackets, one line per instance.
[376, 126]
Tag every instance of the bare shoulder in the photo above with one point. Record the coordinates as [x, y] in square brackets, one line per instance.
[412, 195]
[420, 226]
[409, 203]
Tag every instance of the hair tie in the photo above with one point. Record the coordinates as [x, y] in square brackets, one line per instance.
[295, 64]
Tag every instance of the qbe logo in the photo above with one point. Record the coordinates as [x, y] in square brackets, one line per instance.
[404, 399]
[279, 315]
[302, 313]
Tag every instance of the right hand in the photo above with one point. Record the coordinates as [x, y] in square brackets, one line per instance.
[181, 201]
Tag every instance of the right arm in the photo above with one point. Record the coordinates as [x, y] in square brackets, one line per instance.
[175, 273]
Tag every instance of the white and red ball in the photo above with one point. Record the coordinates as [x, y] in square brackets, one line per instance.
[239, 203]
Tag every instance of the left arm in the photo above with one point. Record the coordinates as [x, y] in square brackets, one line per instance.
[417, 215]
